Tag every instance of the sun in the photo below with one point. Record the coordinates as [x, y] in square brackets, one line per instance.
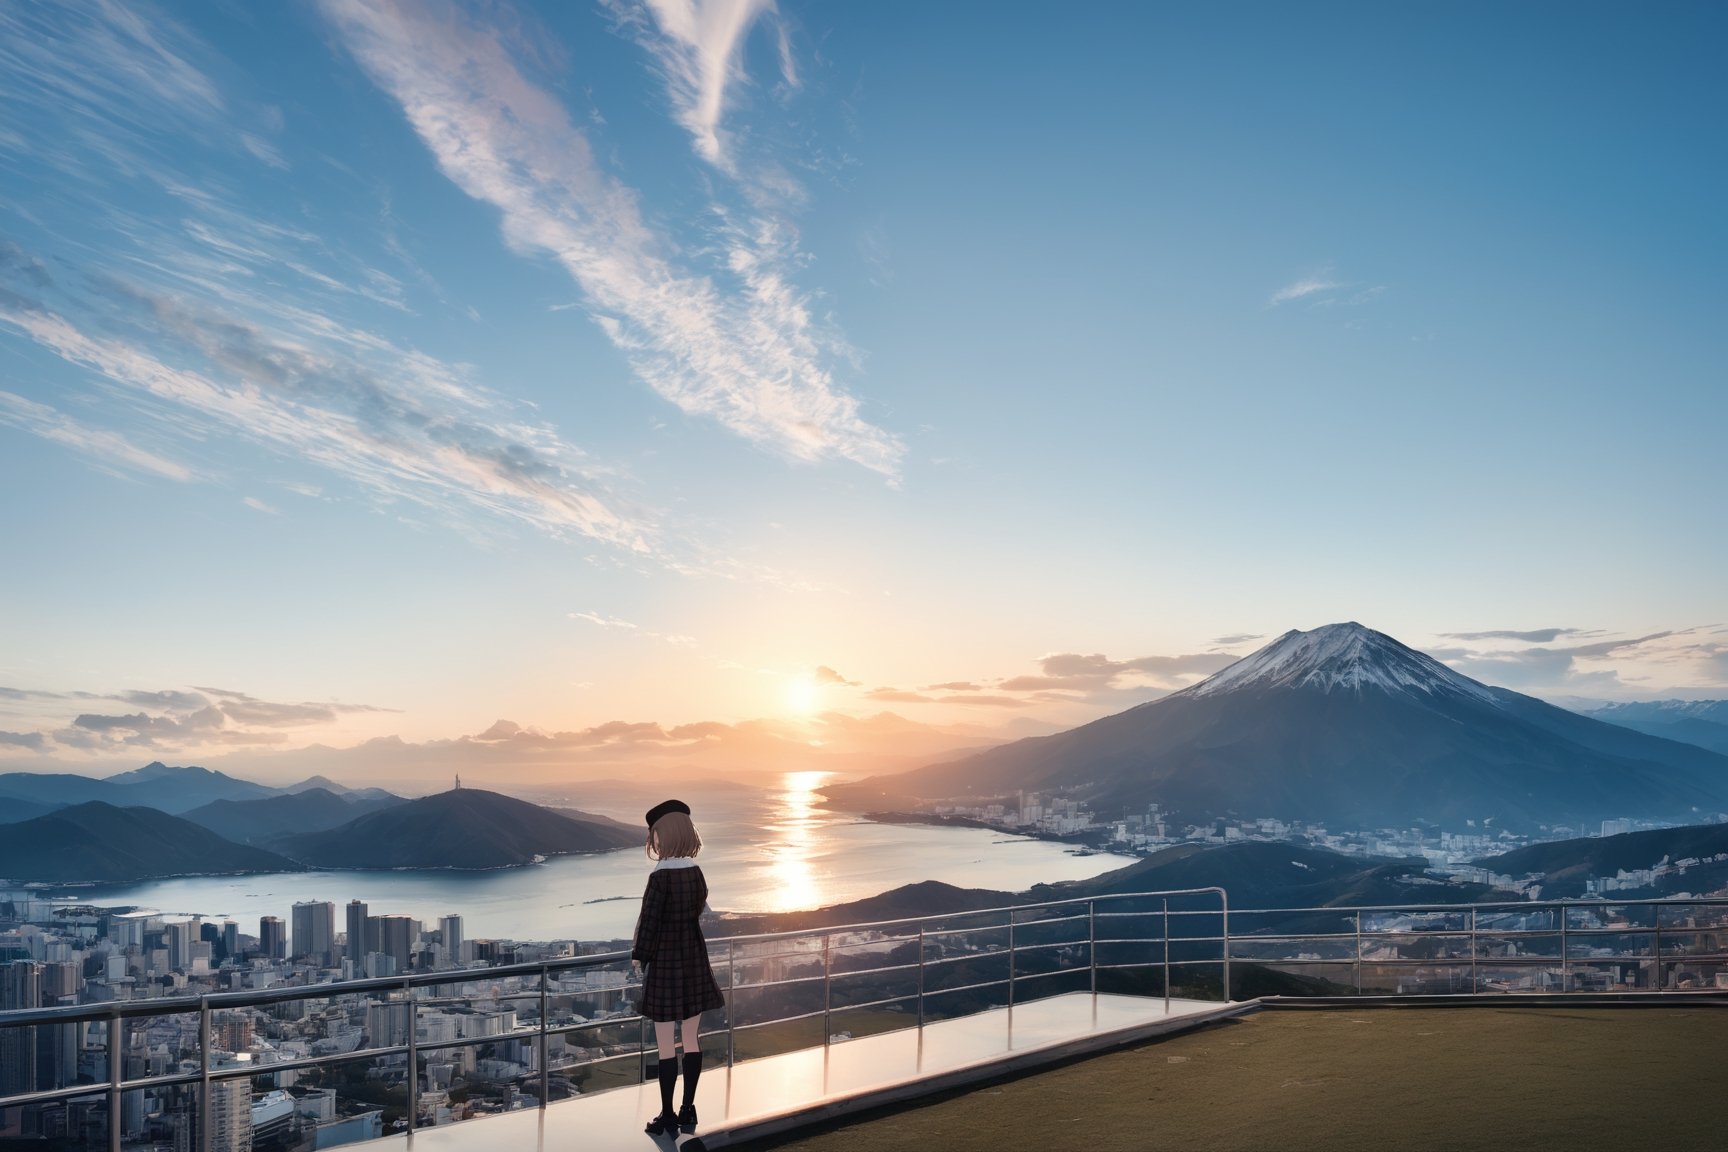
[802, 696]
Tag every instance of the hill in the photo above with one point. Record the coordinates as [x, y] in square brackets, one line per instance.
[1343, 726]
[13, 809]
[311, 810]
[1565, 865]
[98, 842]
[464, 828]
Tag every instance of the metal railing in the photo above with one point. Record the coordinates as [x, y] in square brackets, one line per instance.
[1043, 948]
[1537, 946]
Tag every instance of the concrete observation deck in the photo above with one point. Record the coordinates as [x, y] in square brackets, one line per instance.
[777, 1094]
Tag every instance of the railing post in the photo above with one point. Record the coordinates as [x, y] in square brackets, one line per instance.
[545, 1045]
[1358, 951]
[1656, 920]
[1473, 986]
[920, 975]
[116, 1075]
[1092, 942]
[827, 999]
[731, 1001]
[1565, 950]
[1010, 957]
[1166, 955]
[1224, 899]
[204, 1074]
[413, 1057]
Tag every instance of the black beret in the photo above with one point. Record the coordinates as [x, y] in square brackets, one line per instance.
[662, 809]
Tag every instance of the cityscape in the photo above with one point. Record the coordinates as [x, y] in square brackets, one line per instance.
[806, 577]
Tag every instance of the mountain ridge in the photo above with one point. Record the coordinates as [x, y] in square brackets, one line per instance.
[309, 810]
[1700, 722]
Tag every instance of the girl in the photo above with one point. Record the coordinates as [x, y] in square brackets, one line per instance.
[679, 984]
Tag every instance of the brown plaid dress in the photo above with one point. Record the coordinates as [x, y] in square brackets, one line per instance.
[679, 983]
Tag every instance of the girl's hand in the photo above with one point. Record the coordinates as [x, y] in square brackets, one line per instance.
[636, 966]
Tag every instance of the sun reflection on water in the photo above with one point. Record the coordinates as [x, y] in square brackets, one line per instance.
[794, 842]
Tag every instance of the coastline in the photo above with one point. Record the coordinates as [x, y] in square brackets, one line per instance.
[1093, 843]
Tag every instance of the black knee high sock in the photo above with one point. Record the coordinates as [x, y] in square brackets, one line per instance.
[668, 1075]
[692, 1071]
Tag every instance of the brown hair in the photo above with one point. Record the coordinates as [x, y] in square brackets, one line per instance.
[673, 835]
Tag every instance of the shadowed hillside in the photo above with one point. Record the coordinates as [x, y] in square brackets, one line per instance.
[1567, 864]
[99, 842]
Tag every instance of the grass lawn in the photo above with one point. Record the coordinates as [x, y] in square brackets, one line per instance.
[1335, 1080]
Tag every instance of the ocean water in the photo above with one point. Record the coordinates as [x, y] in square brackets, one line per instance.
[771, 849]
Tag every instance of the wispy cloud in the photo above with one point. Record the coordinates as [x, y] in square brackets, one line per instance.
[209, 321]
[1067, 679]
[1534, 636]
[613, 623]
[108, 450]
[1576, 667]
[1304, 288]
[603, 621]
[696, 45]
[740, 346]
[337, 411]
[1073, 672]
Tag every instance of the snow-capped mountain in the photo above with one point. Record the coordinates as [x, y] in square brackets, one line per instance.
[1342, 657]
[1346, 726]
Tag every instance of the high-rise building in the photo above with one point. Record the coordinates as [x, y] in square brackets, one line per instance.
[179, 936]
[396, 936]
[314, 932]
[232, 1031]
[60, 981]
[231, 1116]
[387, 1023]
[57, 1045]
[272, 940]
[20, 987]
[230, 1119]
[357, 949]
[231, 939]
[450, 928]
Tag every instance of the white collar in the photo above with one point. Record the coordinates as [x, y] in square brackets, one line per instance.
[676, 862]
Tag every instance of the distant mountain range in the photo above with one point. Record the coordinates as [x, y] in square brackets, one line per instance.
[156, 785]
[1346, 726]
[98, 842]
[172, 790]
[1700, 722]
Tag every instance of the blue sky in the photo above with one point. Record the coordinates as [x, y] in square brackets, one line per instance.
[705, 380]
